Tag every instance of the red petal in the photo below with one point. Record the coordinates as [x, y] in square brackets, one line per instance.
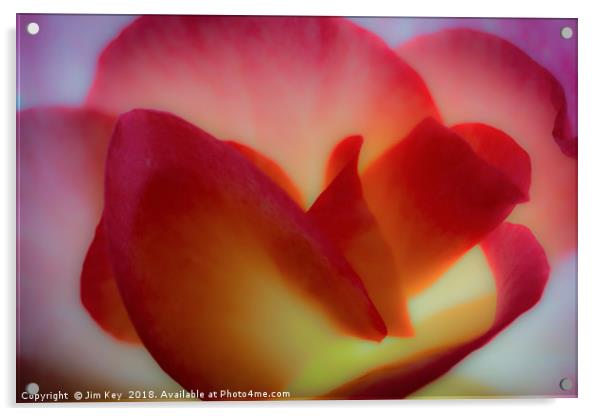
[100, 294]
[521, 271]
[499, 150]
[288, 87]
[434, 198]
[271, 170]
[475, 76]
[347, 151]
[342, 214]
[99, 291]
[225, 279]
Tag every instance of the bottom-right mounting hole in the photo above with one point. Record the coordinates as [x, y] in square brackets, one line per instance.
[566, 384]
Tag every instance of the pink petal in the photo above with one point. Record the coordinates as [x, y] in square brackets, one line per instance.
[61, 154]
[288, 87]
[477, 77]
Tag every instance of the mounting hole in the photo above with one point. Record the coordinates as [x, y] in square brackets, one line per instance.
[32, 388]
[566, 32]
[33, 28]
[566, 384]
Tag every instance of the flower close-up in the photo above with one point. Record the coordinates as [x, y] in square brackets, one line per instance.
[296, 207]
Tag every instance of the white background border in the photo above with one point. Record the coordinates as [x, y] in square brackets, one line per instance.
[590, 206]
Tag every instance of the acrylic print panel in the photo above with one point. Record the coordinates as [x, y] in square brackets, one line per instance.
[281, 208]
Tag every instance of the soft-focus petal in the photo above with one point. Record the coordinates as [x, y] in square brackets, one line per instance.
[544, 341]
[348, 150]
[99, 291]
[521, 271]
[443, 316]
[434, 198]
[500, 151]
[61, 155]
[477, 77]
[227, 282]
[289, 87]
[271, 170]
[452, 386]
[343, 216]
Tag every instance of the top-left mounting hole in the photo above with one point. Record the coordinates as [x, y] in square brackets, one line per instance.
[33, 28]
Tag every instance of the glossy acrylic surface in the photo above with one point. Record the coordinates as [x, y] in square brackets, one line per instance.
[250, 208]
